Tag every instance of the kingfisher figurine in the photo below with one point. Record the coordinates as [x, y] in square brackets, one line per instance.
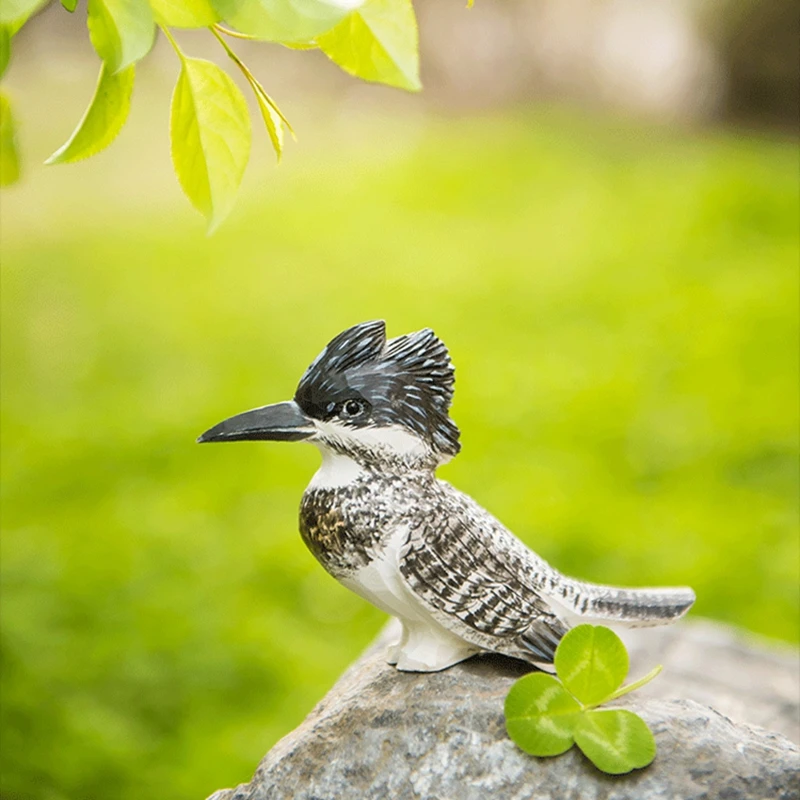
[379, 520]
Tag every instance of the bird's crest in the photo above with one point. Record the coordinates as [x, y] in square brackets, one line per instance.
[407, 381]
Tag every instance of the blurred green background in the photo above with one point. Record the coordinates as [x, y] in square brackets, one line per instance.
[621, 303]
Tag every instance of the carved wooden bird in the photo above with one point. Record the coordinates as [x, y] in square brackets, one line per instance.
[379, 520]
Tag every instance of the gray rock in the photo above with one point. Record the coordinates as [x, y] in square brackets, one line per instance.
[743, 676]
[380, 733]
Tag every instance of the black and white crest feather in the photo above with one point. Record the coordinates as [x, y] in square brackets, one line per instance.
[406, 381]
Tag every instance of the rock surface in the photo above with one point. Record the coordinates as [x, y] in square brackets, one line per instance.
[380, 733]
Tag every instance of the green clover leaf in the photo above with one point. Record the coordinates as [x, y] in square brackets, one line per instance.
[615, 741]
[545, 714]
[592, 662]
[541, 715]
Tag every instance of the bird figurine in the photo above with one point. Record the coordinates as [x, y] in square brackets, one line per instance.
[378, 519]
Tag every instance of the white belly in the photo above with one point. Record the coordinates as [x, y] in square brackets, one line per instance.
[424, 646]
[381, 584]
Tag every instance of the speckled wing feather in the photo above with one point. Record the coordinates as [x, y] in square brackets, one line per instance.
[478, 580]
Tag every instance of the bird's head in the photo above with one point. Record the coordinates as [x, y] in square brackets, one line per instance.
[366, 397]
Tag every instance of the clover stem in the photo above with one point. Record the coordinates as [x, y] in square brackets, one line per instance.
[625, 689]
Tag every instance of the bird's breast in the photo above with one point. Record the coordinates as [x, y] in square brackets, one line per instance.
[347, 527]
[339, 529]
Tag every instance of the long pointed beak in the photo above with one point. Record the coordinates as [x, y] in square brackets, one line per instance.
[281, 422]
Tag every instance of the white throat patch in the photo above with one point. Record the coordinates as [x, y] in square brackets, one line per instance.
[336, 471]
[393, 439]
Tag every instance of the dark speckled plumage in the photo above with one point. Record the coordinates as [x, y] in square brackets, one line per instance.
[471, 573]
[461, 562]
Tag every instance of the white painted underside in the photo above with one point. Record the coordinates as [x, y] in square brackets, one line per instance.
[424, 646]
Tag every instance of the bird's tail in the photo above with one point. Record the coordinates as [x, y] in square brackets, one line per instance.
[633, 608]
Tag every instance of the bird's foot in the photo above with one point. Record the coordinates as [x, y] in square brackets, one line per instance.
[433, 663]
[430, 653]
[393, 653]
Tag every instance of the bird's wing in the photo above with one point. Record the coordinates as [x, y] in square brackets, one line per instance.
[461, 563]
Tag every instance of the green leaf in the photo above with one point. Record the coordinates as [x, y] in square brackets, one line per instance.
[615, 741]
[9, 155]
[377, 42]
[185, 13]
[5, 48]
[210, 133]
[103, 119]
[121, 31]
[284, 20]
[312, 45]
[273, 117]
[273, 121]
[17, 12]
[541, 715]
[70, 5]
[592, 662]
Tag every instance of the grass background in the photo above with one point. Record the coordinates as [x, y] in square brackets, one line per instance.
[621, 305]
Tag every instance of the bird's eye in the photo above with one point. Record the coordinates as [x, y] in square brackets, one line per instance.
[352, 408]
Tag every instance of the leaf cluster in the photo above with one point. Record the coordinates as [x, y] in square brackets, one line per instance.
[375, 40]
[546, 715]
